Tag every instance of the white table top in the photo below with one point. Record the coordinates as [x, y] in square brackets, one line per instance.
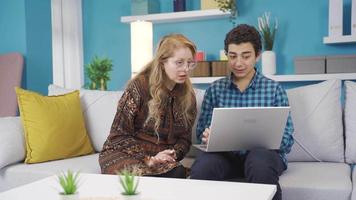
[96, 186]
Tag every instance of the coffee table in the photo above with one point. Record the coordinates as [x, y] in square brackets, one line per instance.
[98, 186]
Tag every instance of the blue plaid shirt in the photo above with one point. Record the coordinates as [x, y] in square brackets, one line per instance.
[261, 92]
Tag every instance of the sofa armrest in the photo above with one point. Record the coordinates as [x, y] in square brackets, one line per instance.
[12, 141]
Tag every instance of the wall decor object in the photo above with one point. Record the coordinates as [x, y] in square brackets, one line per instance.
[201, 70]
[341, 64]
[179, 5]
[144, 7]
[268, 30]
[353, 17]
[219, 68]
[310, 65]
[208, 4]
[222, 54]
[200, 56]
[335, 17]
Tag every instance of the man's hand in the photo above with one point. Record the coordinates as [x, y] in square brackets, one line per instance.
[205, 137]
[168, 155]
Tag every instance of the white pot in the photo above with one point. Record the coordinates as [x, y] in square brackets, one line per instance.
[69, 197]
[131, 197]
[268, 63]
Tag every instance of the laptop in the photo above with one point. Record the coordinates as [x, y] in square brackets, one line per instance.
[245, 128]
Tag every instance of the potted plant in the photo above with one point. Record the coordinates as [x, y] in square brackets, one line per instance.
[69, 183]
[268, 32]
[229, 6]
[98, 71]
[129, 181]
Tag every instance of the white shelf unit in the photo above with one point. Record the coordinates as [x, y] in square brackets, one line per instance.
[287, 78]
[340, 39]
[177, 16]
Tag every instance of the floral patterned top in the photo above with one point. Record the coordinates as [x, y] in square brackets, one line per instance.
[132, 139]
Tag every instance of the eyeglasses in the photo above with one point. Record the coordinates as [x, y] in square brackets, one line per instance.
[180, 64]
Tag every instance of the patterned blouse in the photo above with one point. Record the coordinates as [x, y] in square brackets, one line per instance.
[132, 139]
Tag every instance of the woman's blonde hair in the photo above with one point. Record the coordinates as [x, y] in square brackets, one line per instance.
[154, 70]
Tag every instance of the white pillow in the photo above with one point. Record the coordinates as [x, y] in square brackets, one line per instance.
[317, 117]
[12, 141]
[350, 121]
[99, 109]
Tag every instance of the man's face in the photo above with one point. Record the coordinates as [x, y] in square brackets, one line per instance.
[242, 59]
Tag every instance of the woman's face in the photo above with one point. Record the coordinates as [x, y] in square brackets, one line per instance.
[177, 67]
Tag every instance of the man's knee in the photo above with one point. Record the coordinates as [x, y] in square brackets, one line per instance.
[209, 166]
[263, 166]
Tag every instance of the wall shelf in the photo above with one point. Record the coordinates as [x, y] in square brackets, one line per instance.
[340, 39]
[177, 16]
[287, 78]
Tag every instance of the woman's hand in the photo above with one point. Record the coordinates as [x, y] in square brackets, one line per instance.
[164, 156]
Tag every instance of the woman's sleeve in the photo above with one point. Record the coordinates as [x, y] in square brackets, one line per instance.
[185, 140]
[121, 149]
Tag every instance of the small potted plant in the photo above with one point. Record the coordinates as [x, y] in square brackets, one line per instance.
[98, 72]
[229, 6]
[69, 183]
[129, 181]
[268, 30]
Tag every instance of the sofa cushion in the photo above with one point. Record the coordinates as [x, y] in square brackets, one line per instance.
[350, 121]
[199, 95]
[99, 108]
[353, 195]
[54, 126]
[12, 142]
[317, 181]
[317, 118]
[21, 173]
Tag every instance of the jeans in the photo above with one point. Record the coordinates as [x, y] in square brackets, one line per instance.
[257, 166]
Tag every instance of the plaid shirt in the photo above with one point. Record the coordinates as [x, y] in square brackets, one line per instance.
[261, 92]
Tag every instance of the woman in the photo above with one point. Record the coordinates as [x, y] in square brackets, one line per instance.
[151, 131]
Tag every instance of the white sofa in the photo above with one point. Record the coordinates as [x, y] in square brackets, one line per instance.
[319, 164]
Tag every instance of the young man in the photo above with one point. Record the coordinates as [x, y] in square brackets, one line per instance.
[245, 87]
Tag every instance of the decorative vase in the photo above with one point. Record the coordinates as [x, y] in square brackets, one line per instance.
[69, 196]
[131, 197]
[103, 85]
[268, 62]
[178, 5]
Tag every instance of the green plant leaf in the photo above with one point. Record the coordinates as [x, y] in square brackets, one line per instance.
[129, 182]
[69, 182]
[98, 69]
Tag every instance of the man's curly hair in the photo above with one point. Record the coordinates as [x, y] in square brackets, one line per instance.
[241, 34]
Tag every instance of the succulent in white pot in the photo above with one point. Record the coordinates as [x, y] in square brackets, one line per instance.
[69, 184]
[129, 180]
[268, 32]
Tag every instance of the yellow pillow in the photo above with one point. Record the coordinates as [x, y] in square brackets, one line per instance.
[54, 126]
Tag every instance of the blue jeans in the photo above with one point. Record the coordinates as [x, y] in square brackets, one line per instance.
[257, 166]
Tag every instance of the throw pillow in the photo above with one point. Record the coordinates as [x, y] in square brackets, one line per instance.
[54, 126]
[350, 121]
[317, 118]
[99, 109]
[12, 143]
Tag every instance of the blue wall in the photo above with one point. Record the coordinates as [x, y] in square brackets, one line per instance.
[302, 26]
[105, 35]
[12, 26]
[39, 45]
[25, 26]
